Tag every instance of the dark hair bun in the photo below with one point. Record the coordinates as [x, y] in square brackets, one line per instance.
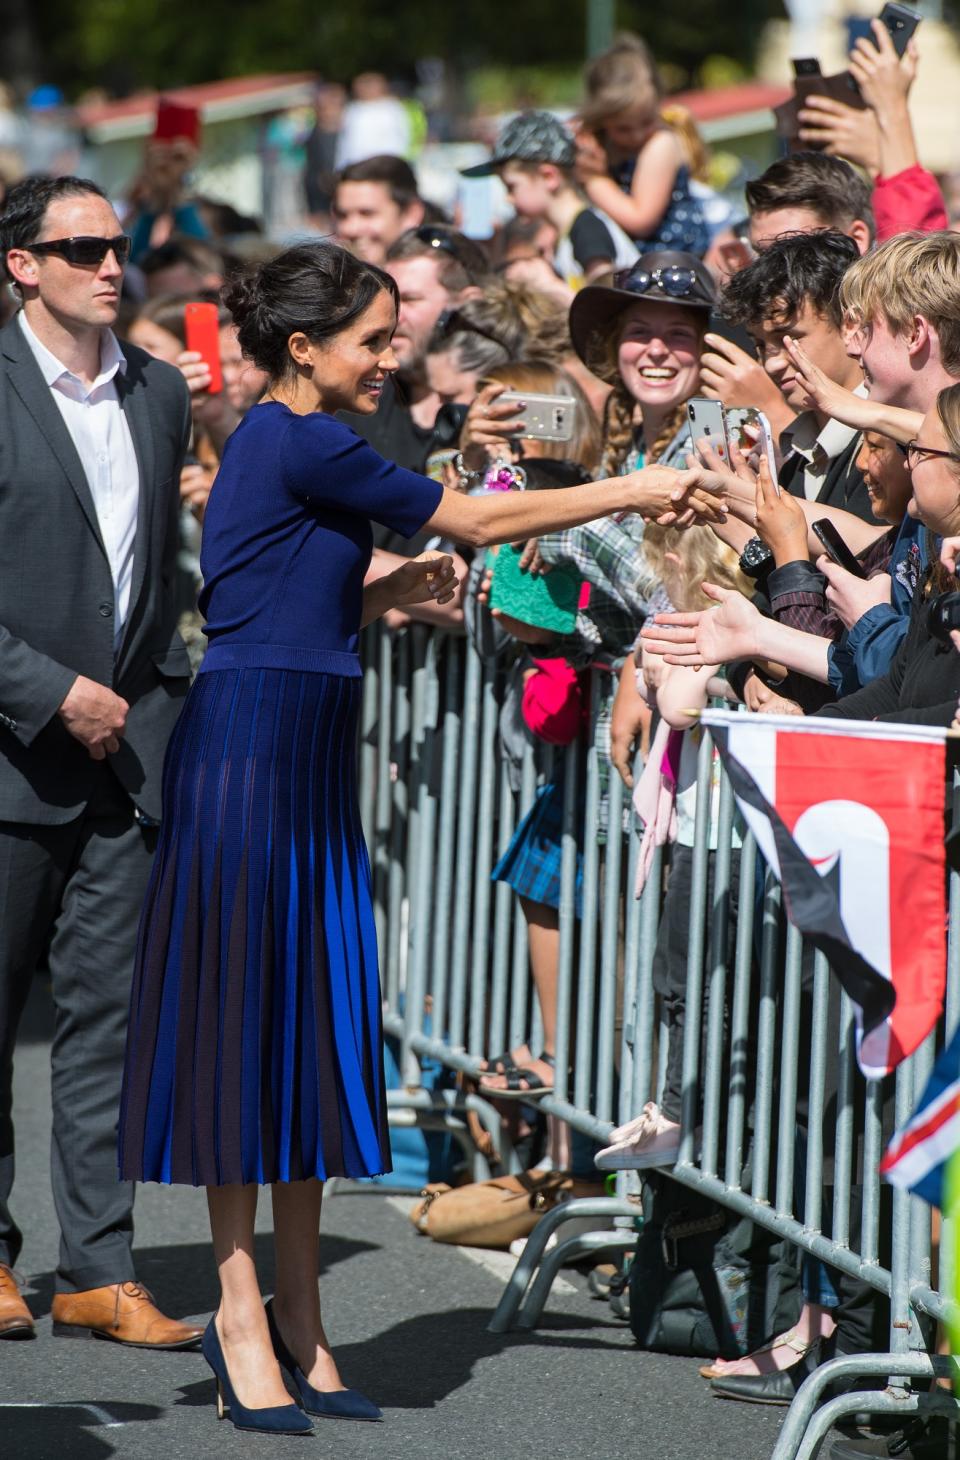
[318, 289]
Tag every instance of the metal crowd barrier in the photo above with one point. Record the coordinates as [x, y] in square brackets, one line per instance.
[438, 810]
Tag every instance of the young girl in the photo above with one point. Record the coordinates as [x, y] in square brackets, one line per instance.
[630, 162]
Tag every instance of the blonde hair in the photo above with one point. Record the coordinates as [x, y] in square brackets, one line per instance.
[914, 273]
[703, 559]
[543, 377]
[621, 79]
[696, 153]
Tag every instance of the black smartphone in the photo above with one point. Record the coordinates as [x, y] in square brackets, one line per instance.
[807, 77]
[806, 66]
[901, 22]
[835, 547]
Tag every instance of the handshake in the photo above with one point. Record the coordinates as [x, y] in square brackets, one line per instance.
[695, 497]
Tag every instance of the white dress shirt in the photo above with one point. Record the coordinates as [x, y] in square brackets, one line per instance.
[817, 447]
[100, 432]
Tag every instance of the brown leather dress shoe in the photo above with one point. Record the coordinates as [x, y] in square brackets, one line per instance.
[123, 1313]
[16, 1320]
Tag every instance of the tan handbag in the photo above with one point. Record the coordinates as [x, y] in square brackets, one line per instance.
[494, 1213]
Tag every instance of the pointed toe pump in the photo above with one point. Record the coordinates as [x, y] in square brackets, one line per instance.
[327, 1404]
[281, 1419]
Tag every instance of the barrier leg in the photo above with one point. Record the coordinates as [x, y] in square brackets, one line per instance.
[509, 1304]
[801, 1414]
[559, 1256]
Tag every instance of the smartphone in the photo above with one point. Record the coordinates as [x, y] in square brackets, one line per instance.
[807, 78]
[707, 423]
[835, 547]
[752, 432]
[201, 324]
[901, 22]
[544, 417]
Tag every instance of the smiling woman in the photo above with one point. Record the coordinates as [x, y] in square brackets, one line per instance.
[255, 1050]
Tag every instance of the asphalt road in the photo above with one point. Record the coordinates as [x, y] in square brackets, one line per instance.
[409, 1322]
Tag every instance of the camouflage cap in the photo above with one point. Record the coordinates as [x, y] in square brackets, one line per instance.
[529, 137]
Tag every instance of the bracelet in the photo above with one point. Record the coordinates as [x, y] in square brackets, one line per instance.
[466, 477]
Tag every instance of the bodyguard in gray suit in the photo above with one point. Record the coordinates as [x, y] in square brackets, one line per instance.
[92, 675]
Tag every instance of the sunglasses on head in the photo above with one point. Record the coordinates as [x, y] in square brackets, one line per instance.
[675, 281]
[437, 237]
[452, 321]
[85, 250]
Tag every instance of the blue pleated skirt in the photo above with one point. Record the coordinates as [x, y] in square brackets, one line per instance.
[255, 1051]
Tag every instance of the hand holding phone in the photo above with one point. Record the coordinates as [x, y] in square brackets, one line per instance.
[201, 324]
[542, 417]
[835, 547]
[707, 423]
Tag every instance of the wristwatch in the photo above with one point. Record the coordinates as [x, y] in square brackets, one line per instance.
[755, 557]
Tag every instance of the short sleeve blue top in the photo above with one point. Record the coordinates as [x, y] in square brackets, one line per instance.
[287, 540]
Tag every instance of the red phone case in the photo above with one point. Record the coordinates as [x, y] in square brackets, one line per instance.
[202, 329]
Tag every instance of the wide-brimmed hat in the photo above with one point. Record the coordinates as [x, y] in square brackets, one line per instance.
[670, 277]
[529, 137]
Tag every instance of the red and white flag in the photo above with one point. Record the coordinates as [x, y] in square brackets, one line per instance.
[849, 815]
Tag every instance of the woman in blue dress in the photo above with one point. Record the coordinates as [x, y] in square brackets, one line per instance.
[254, 1053]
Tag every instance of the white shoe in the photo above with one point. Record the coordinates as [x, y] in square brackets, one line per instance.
[650, 1140]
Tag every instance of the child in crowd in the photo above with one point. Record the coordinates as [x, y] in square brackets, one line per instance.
[535, 157]
[631, 163]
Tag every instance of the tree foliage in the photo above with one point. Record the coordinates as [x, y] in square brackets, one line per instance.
[124, 45]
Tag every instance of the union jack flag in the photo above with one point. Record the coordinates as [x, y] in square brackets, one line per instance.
[918, 1155]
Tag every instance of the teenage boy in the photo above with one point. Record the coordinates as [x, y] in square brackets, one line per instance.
[792, 290]
[374, 202]
[534, 158]
[809, 192]
[806, 192]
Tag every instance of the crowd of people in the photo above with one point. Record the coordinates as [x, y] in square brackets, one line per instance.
[825, 326]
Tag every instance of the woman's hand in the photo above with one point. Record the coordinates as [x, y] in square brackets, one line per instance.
[490, 428]
[431, 576]
[884, 78]
[710, 636]
[851, 597]
[949, 553]
[780, 519]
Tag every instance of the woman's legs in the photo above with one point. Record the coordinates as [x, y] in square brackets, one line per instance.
[241, 1321]
[296, 1301]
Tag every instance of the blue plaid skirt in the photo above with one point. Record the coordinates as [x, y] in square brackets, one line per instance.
[531, 863]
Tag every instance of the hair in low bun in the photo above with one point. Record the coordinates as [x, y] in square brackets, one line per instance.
[317, 288]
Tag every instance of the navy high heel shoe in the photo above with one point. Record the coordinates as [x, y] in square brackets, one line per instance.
[329, 1404]
[281, 1419]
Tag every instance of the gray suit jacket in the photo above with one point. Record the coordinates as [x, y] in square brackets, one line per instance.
[56, 590]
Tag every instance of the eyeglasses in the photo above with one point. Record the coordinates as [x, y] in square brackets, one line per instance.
[676, 281]
[85, 251]
[914, 453]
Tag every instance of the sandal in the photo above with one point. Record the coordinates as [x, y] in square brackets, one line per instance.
[498, 1064]
[800, 1346]
[521, 1084]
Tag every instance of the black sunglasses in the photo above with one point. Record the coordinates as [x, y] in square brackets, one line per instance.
[85, 250]
[437, 237]
[453, 321]
[674, 281]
